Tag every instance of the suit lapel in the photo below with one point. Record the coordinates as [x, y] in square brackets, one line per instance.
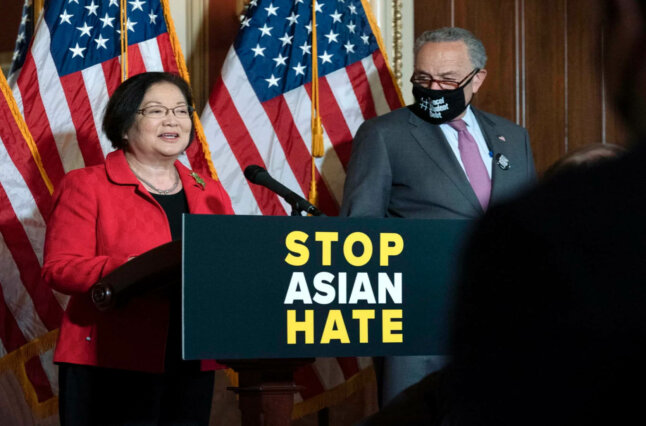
[432, 140]
[499, 144]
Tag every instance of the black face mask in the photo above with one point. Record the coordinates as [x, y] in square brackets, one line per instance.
[439, 106]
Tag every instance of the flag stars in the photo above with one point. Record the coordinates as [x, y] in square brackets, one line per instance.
[24, 19]
[114, 3]
[332, 37]
[319, 7]
[137, 5]
[73, 1]
[349, 48]
[299, 69]
[107, 20]
[286, 39]
[306, 49]
[85, 29]
[16, 55]
[77, 51]
[280, 60]
[273, 81]
[92, 8]
[365, 38]
[309, 27]
[258, 51]
[325, 57]
[271, 10]
[100, 42]
[293, 18]
[351, 26]
[265, 30]
[336, 17]
[153, 18]
[245, 22]
[131, 25]
[65, 17]
[21, 37]
[353, 9]
[253, 3]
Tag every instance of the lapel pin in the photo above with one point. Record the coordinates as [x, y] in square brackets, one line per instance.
[503, 162]
[198, 180]
[502, 138]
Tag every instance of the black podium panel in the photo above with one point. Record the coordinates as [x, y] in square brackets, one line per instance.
[289, 287]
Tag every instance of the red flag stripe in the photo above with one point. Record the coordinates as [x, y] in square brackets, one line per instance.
[166, 53]
[245, 151]
[22, 159]
[306, 376]
[10, 334]
[297, 155]
[349, 366]
[361, 88]
[16, 240]
[34, 111]
[136, 63]
[81, 110]
[38, 379]
[333, 121]
[112, 74]
[386, 80]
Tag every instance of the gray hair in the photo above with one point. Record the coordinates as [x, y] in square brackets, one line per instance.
[475, 48]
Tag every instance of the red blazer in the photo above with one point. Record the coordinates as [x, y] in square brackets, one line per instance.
[102, 216]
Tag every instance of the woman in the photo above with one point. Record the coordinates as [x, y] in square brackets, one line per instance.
[124, 366]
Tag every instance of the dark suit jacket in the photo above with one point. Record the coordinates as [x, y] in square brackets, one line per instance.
[402, 166]
[555, 333]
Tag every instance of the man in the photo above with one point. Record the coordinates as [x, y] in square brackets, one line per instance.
[558, 336]
[437, 159]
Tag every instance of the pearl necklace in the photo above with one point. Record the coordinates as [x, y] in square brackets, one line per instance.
[159, 191]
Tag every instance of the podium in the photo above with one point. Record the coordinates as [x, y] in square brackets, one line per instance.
[267, 295]
[266, 389]
[266, 386]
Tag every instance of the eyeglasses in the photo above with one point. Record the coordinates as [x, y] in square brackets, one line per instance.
[427, 81]
[160, 111]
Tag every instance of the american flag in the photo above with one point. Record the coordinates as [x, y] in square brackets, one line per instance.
[25, 31]
[61, 81]
[260, 113]
[72, 68]
[28, 309]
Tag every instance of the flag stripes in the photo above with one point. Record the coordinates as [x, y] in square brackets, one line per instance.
[61, 89]
[260, 113]
[286, 152]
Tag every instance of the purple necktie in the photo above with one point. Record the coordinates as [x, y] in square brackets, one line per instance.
[473, 164]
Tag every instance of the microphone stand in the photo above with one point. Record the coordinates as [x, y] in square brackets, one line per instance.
[298, 207]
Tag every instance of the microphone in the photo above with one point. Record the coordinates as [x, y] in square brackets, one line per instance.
[259, 176]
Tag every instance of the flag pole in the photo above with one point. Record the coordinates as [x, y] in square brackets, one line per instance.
[123, 18]
[38, 9]
[317, 130]
[15, 111]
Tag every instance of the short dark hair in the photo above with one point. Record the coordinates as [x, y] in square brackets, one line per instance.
[123, 105]
[584, 158]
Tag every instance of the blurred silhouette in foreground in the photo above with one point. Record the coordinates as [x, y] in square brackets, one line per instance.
[557, 335]
[583, 158]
